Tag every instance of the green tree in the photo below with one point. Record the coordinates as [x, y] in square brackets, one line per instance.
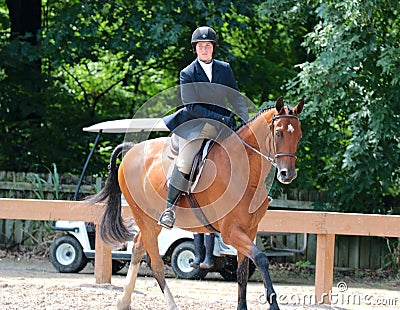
[21, 80]
[351, 141]
[102, 60]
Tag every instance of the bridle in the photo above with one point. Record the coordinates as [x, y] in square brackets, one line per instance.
[271, 128]
[276, 155]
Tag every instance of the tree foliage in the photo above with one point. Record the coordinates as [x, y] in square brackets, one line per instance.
[351, 147]
[102, 60]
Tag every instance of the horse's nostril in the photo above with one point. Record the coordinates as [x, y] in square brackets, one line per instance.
[284, 173]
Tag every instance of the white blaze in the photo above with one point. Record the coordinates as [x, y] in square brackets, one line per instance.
[290, 128]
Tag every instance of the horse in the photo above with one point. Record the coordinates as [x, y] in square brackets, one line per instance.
[230, 191]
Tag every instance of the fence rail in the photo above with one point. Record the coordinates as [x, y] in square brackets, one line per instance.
[324, 224]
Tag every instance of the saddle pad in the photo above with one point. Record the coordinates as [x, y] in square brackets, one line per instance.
[199, 169]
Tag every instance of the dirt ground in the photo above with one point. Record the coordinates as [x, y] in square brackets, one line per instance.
[35, 284]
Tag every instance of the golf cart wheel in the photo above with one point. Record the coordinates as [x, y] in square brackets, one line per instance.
[229, 271]
[66, 254]
[181, 258]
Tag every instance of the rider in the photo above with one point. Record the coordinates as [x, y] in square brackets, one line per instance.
[205, 85]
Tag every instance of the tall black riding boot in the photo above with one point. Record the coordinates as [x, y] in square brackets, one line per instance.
[198, 242]
[208, 262]
[177, 185]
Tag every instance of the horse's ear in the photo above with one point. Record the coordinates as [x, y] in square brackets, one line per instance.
[299, 107]
[279, 104]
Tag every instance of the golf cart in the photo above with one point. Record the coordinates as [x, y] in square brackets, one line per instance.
[73, 250]
[76, 247]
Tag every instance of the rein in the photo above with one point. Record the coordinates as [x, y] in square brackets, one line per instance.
[276, 155]
[272, 161]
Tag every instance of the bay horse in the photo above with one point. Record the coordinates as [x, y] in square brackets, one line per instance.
[231, 192]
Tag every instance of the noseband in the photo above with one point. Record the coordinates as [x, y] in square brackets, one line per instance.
[271, 128]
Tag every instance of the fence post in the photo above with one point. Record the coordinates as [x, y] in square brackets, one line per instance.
[102, 260]
[324, 268]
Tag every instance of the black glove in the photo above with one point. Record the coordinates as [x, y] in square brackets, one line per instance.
[229, 121]
[230, 124]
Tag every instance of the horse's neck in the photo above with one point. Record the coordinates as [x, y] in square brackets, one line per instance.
[256, 132]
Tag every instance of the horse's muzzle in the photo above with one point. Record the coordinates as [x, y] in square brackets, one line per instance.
[286, 176]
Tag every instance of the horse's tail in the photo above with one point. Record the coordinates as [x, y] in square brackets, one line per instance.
[112, 228]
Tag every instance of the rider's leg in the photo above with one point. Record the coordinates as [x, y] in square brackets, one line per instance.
[179, 182]
[179, 179]
[208, 262]
[198, 250]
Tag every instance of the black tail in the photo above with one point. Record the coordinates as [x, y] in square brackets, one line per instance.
[112, 228]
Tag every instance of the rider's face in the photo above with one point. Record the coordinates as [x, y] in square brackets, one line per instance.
[204, 51]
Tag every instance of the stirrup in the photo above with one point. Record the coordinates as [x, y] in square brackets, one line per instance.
[167, 219]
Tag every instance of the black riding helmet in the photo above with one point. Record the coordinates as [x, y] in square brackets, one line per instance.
[203, 34]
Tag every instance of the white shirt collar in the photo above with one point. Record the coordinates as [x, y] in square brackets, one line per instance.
[207, 68]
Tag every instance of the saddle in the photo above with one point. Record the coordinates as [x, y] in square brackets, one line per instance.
[198, 162]
[194, 176]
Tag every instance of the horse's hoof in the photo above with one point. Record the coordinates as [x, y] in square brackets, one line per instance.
[121, 305]
[274, 307]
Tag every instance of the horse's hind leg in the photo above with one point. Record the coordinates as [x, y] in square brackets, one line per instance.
[157, 267]
[137, 254]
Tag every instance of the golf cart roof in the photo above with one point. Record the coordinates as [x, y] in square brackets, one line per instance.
[129, 125]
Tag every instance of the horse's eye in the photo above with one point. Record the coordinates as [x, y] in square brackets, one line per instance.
[278, 134]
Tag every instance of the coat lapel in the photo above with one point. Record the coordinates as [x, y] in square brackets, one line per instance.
[215, 72]
[200, 74]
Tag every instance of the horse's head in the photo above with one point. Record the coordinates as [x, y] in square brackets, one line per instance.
[285, 135]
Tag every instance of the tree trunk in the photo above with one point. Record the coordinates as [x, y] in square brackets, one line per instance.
[24, 71]
[25, 18]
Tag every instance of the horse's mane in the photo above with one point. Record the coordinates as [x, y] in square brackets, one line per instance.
[251, 120]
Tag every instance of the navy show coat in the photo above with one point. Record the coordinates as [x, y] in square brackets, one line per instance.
[205, 102]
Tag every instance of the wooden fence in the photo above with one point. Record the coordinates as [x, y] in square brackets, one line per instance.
[16, 234]
[325, 225]
[27, 185]
[350, 251]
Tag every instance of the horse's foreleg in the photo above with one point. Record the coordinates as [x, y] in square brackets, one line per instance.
[245, 246]
[242, 279]
[137, 254]
[261, 261]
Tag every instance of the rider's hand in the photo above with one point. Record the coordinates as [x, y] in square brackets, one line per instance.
[230, 124]
[229, 121]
